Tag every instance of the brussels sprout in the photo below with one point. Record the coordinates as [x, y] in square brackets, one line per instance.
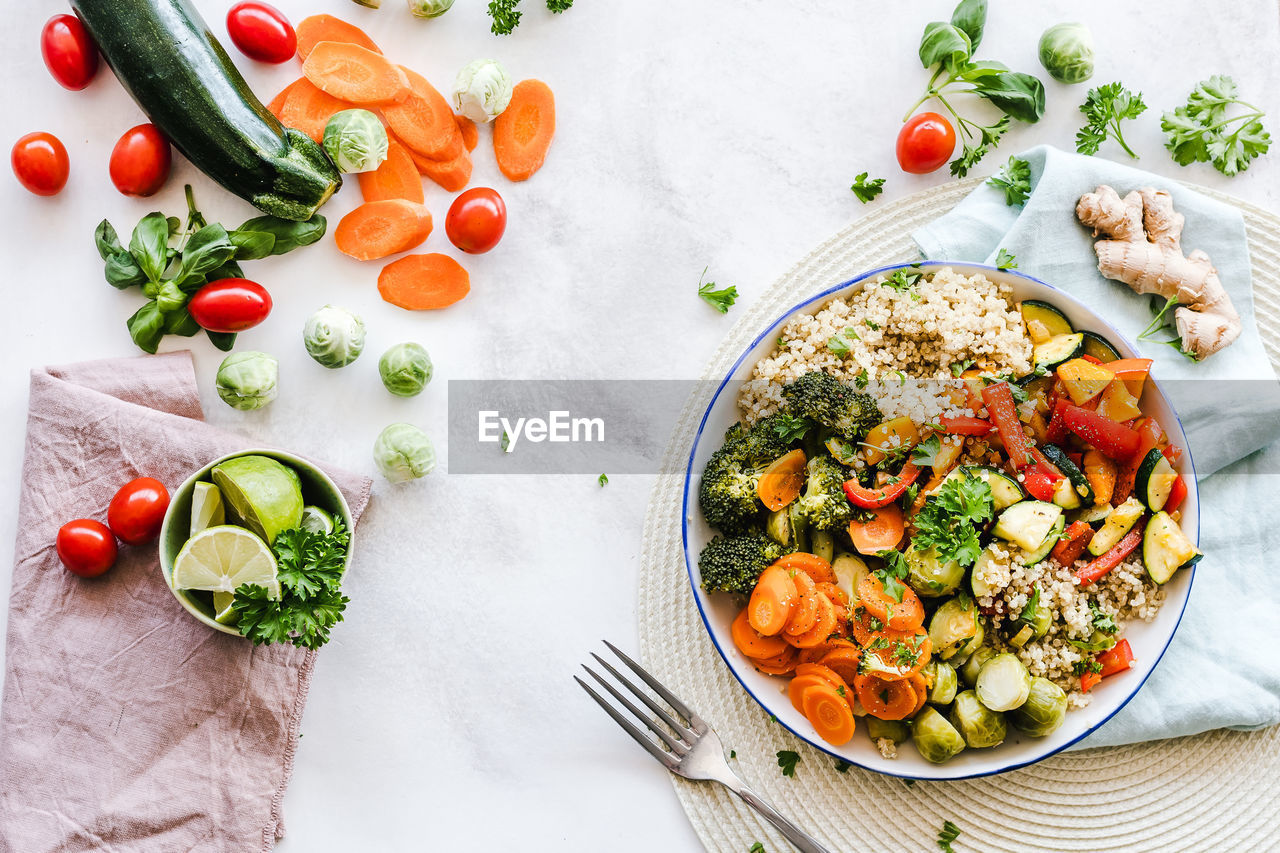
[1041, 622]
[964, 652]
[1044, 710]
[979, 725]
[429, 8]
[953, 626]
[849, 570]
[1003, 682]
[894, 730]
[355, 141]
[930, 576]
[935, 738]
[1066, 52]
[247, 380]
[405, 369]
[823, 544]
[334, 336]
[972, 666]
[403, 452]
[941, 677]
[482, 90]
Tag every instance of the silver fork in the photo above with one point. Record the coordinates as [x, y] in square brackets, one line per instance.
[693, 751]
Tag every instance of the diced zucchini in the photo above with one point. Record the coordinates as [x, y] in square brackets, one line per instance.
[1005, 490]
[1027, 523]
[1154, 480]
[1100, 348]
[1118, 523]
[1051, 538]
[1056, 350]
[1071, 471]
[1065, 496]
[1053, 320]
[978, 575]
[849, 570]
[1024, 635]
[1165, 548]
[1094, 513]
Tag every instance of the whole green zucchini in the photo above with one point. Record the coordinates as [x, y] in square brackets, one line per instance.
[165, 56]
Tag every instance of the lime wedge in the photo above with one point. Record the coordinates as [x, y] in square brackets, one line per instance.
[206, 508]
[316, 520]
[261, 494]
[222, 602]
[222, 558]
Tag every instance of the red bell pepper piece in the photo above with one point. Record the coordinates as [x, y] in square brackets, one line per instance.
[1092, 359]
[1108, 437]
[999, 399]
[1038, 483]
[1177, 494]
[1056, 431]
[1149, 433]
[965, 425]
[1099, 566]
[1043, 463]
[860, 495]
[1173, 453]
[1118, 658]
[1073, 542]
[1088, 680]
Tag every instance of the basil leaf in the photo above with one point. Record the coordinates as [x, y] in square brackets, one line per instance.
[288, 234]
[1018, 95]
[252, 245]
[208, 249]
[222, 340]
[170, 297]
[180, 322]
[970, 17]
[146, 327]
[228, 270]
[175, 225]
[107, 241]
[973, 72]
[149, 245]
[943, 43]
[122, 271]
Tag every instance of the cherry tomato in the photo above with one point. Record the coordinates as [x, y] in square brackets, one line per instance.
[140, 161]
[925, 143]
[69, 52]
[476, 220]
[86, 547]
[230, 305]
[261, 32]
[137, 510]
[40, 163]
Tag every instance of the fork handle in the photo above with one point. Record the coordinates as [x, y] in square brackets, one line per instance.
[803, 841]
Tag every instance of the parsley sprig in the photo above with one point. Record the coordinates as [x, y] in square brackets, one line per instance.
[1014, 178]
[866, 190]
[721, 300]
[948, 521]
[787, 759]
[1006, 260]
[1203, 132]
[1104, 108]
[949, 833]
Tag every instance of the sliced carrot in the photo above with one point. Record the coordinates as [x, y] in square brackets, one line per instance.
[276, 105]
[752, 643]
[355, 74]
[797, 685]
[864, 626]
[832, 677]
[317, 28]
[451, 175]
[781, 482]
[821, 630]
[921, 688]
[905, 615]
[783, 664]
[377, 229]
[829, 712]
[818, 569]
[772, 601]
[883, 531]
[424, 282]
[833, 592]
[814, 654]
[805, 614]
[470, 133]
[424, 120]
[522, 133]
[843, 659]
[898, 654]
[397, 177]
[887, 700]
[308, 109]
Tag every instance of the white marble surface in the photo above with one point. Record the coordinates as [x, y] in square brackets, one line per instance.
[691, 133]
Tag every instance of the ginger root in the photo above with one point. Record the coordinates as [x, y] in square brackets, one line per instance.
[1143, 249]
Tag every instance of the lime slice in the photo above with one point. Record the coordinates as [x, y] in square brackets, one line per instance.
[207, 509]
[222, 558]
[261, 494]
[316, 520]
[222, 602]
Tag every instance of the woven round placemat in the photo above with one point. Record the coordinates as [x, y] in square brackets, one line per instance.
[1215, 791]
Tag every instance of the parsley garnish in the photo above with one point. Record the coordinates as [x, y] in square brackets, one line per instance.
[721, 300]
[1014, 178]
[843, 766]
[1102, 622]
[1080, 667]
[873, 326]
[894, 572]
[949, 833]
[926, 452]
[782, 343]
[866, 190]
[603, 480]
[1028, 614]
[787, 759]
[1104, 108]
[558, 6]
[1202, 132]
[839, 344]
[757, 848]
[790, 428]
[960, 367]
[904, 656]
[901, 280]
[505, 16]
[505, 442]
[733, 753]
[1006, 261]
[947, 521]
[860, 381]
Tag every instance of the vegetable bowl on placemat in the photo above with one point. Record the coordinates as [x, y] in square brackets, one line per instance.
[940, 521]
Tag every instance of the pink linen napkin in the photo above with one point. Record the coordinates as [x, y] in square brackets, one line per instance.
[126, 724]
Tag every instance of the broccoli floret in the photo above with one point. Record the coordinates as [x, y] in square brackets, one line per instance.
[828, 401]
[734, 563]
[823, 504]
[727, 493]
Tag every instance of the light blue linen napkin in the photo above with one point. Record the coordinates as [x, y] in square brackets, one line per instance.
[1221, 669]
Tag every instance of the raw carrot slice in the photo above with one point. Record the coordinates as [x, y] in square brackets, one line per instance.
[397, 177]
[822, 629]
[451, 175]
[781, 482]
[783, 664]
[424, 282]
[355, 74]
[276, 105]
[772, 601]
[805, 614]
[522, 133]
[883, 531]
[818, 569]
[752, 643]
[829, 712]
[888, 700]
[470, 133]
[376, 229]
[905, 615]
[308, 109]
[424, 120]
[317, 28]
